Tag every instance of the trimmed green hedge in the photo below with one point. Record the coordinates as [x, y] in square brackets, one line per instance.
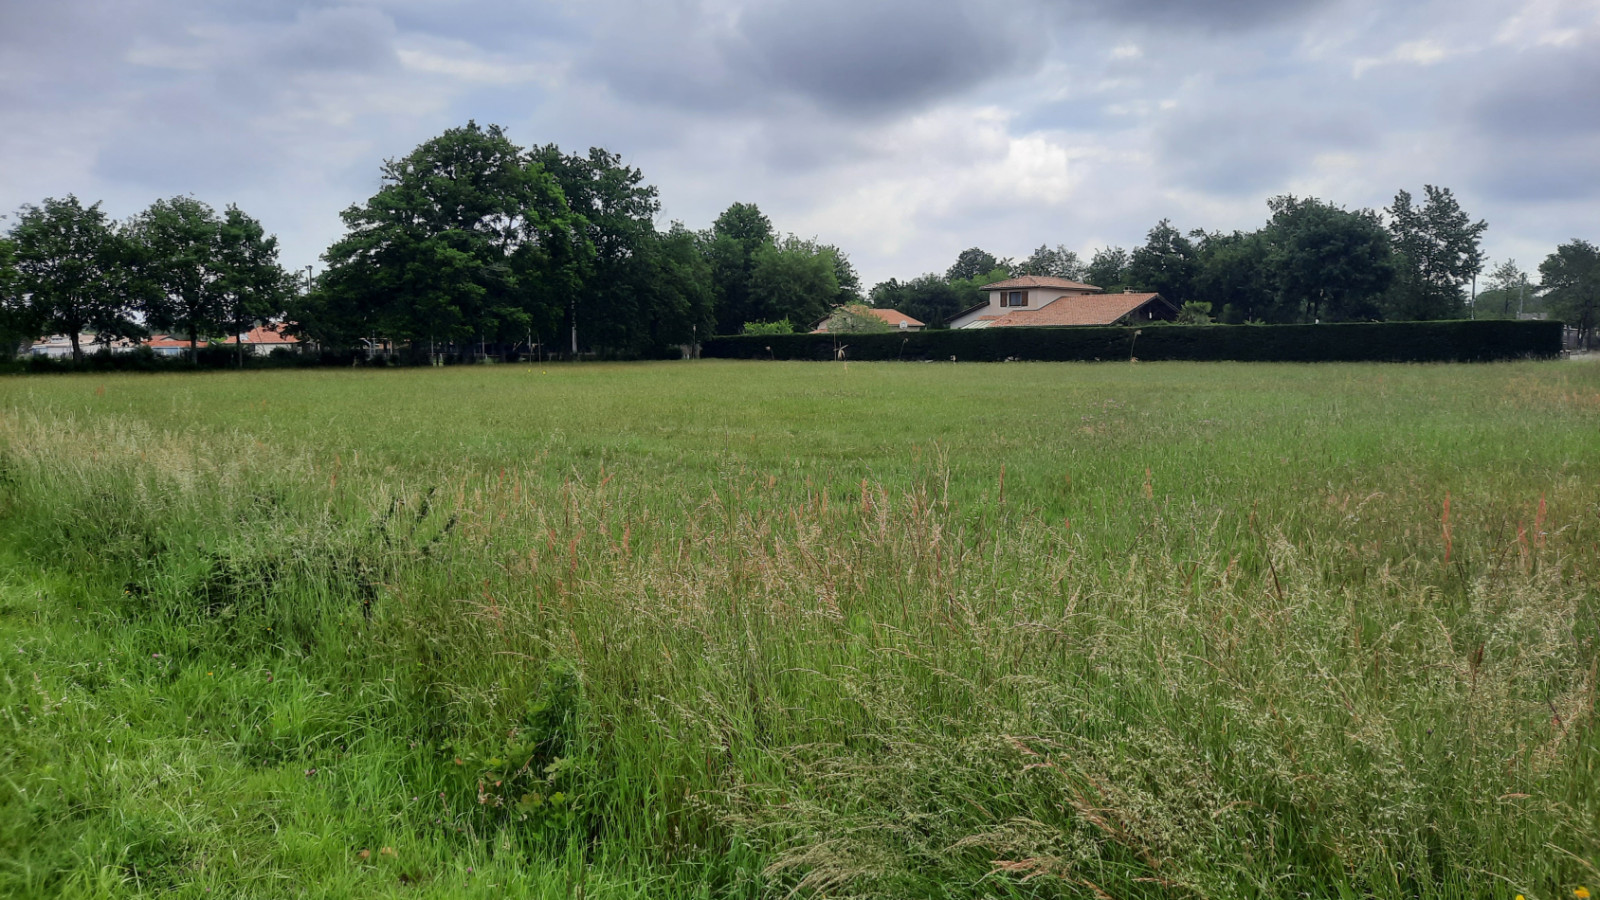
[1452, 341]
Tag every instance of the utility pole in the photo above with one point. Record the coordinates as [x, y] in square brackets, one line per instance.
[572, 305]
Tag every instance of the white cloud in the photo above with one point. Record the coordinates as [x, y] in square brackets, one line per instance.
[1415, 53]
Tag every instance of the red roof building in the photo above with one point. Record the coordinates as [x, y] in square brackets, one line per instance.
[1041, 300]
[894, 318]
[262, 340]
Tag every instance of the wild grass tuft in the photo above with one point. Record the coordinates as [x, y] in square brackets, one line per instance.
[731, 630]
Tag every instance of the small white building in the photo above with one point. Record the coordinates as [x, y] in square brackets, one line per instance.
[59, 346]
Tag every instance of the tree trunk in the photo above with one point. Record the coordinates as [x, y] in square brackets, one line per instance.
[194, 345]
[77, 352]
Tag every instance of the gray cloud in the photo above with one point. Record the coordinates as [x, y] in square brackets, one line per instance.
[902, 131]
[853, 57]
[1553, 92]
[1206, 15]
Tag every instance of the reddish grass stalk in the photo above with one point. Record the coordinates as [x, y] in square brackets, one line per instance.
[1445, 520]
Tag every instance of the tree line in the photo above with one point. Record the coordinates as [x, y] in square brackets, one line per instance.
[179, 266]
[1312, 261]
[474, 245]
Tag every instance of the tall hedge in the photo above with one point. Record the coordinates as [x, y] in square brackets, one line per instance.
[1454, 341]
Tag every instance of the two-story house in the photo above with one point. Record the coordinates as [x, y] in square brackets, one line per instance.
[1035, 300]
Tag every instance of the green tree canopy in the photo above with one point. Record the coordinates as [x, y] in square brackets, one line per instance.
[253, 287]
[1055, 262]
[731, 247]
[468, 238]
[1506, 293]
[622, 306]
[1235, 277]
[181, 264]
[844, 272]
[1108, 269]
[71, 268]
[793, 279]
[14, 327]
[1439, 249]
[1166, 264]
[1570, 278]
[973, 262]
[1327, 263]
[928, 298]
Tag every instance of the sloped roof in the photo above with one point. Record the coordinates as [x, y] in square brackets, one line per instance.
[1091, 309]
[1039, 281]
[893, 317]
[259, 335]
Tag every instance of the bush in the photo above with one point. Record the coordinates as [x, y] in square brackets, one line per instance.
[782, 326]
[1453, 341]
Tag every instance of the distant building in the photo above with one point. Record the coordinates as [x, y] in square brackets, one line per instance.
[1039, 300]
[262, 340]
[895, 319]
[168, 345]
[59, 346]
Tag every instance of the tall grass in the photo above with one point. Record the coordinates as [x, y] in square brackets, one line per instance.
[769, 630]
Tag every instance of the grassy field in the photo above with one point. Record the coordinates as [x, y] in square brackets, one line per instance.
[728, 629]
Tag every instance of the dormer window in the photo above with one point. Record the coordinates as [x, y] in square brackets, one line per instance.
[1013, 298]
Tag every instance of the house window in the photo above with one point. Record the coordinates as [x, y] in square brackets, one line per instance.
[1013, 298]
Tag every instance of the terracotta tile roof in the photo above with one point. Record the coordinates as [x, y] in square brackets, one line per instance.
[893, 317]
[1091, 309]
[273, 335]
[1039, 281]
[158, 341]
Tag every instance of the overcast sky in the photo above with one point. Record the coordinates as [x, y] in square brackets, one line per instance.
[901, 130]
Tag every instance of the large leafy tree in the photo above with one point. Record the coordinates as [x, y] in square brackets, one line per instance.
[1108, 269]
[929, 298]
[14, 329]
[793, 279]
[1327, 263]
[844, 272]
[1505, 294]
[1057, 262]
[684, 297]
[973, 262]
[467, 239]
[1235, 277]
[252, 287]
[1570, 278]
[182, 266]
[731, 246]
[616, 307]
[1439, 248]
[71, 273]
[1166, 264]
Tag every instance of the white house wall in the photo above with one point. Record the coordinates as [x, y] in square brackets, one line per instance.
[1037, 299]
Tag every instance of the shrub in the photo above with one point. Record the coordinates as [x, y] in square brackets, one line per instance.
[1349, 342]
[782, 326]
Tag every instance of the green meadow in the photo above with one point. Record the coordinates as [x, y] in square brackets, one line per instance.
[749, 630]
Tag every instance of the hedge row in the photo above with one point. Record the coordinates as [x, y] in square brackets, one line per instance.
[1453, 341]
